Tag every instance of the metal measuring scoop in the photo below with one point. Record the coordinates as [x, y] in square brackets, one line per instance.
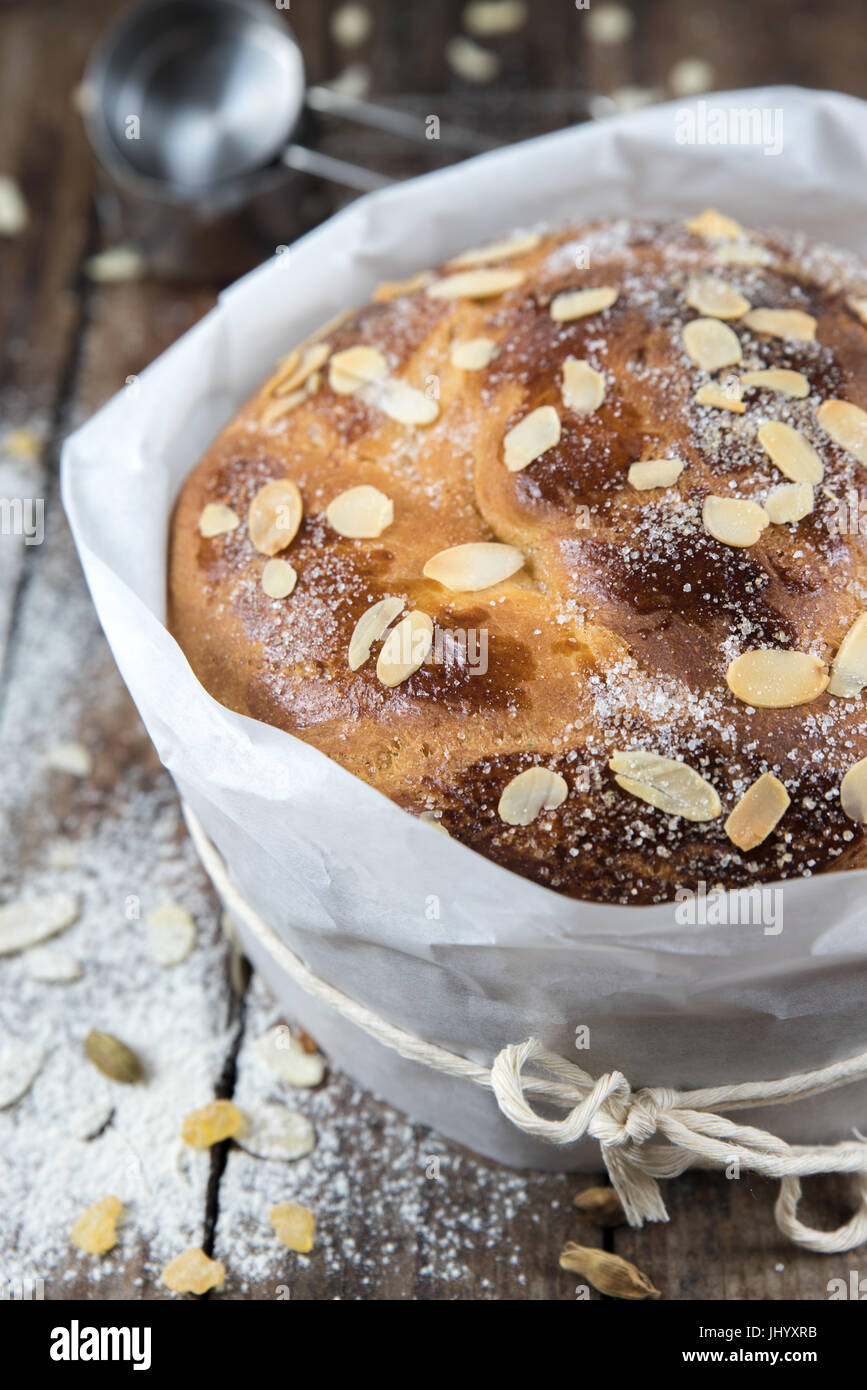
[188, 100]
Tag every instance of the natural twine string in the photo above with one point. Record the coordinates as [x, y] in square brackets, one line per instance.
[606, 1108]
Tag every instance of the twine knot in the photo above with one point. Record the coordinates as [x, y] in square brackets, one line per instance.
[605, 1108]
[623, 1122]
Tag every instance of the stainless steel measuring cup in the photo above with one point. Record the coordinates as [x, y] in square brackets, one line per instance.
[193, 105]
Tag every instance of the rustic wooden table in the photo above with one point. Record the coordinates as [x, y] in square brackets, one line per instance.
[385, 1231]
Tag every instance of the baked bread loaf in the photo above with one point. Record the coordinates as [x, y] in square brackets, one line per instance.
[638, 665]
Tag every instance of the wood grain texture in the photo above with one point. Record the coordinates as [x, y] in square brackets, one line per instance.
[393, 1224]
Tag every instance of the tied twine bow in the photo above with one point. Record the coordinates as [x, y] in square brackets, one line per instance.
[606, 1109]
[624, 1122]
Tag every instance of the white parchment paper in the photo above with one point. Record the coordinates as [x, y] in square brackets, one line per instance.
[345, 876]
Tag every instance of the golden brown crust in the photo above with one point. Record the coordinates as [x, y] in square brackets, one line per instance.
[618, 632]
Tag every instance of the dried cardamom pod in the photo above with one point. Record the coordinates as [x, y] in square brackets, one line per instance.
[112, 1057]
[608, 1273]
[600, 1205]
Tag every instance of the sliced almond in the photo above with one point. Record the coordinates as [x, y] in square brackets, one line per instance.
[370, 627]
[792, 324]
[853, 792]
[714, 226]
[497, 250]
[789, 502]
[216, 519]
[720, 397]
[742, 253]
[847, 426]
[360, 513]
[711, 344]
[477, 565]
[791, 452]
[351, 369]
[278, 579]
[531, 437]
[535, 790]
[769, 678]
[651, 473]
[789, 383]
[577, 304]
[403, 403]
[472, 354]
[583, 388]
[476, 284]
[849, 670]
[275, 515]
[859, 308]
[666, 783]
[29, 921]
[733, 520]
[715, 298]
[758, 812]
[300, 367]
[405, 648]
[280, 406]
[393, 289]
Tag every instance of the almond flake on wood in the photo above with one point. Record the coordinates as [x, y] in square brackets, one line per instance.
[370, 627]
[360, 513]
[849, 667]
[790, 502]
[354, 367]
[283, 1056]
[71, 757]
[476, 284]
[583, 387]
[715, 298]
[791, 452]
[711, 344]
[578, 304]
[759, 811]
[170, 934]
[278, 579]
[531, 437]
[405, 649]
[714, 226]
[733, 520]
[853, 792]
[273, 1131]
[535, 790]
[771, 678]
[847, 426]
[275, 515]
[473, 354]
[477, 565]
[788, 383]
[497, 250]
[652, 473]
[30, 920]
[51, 966]
[666, 783]
[792, 324]
[20, 1064]
[216, 519]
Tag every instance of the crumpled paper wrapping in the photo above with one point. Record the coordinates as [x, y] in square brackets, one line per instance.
[436, 938]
